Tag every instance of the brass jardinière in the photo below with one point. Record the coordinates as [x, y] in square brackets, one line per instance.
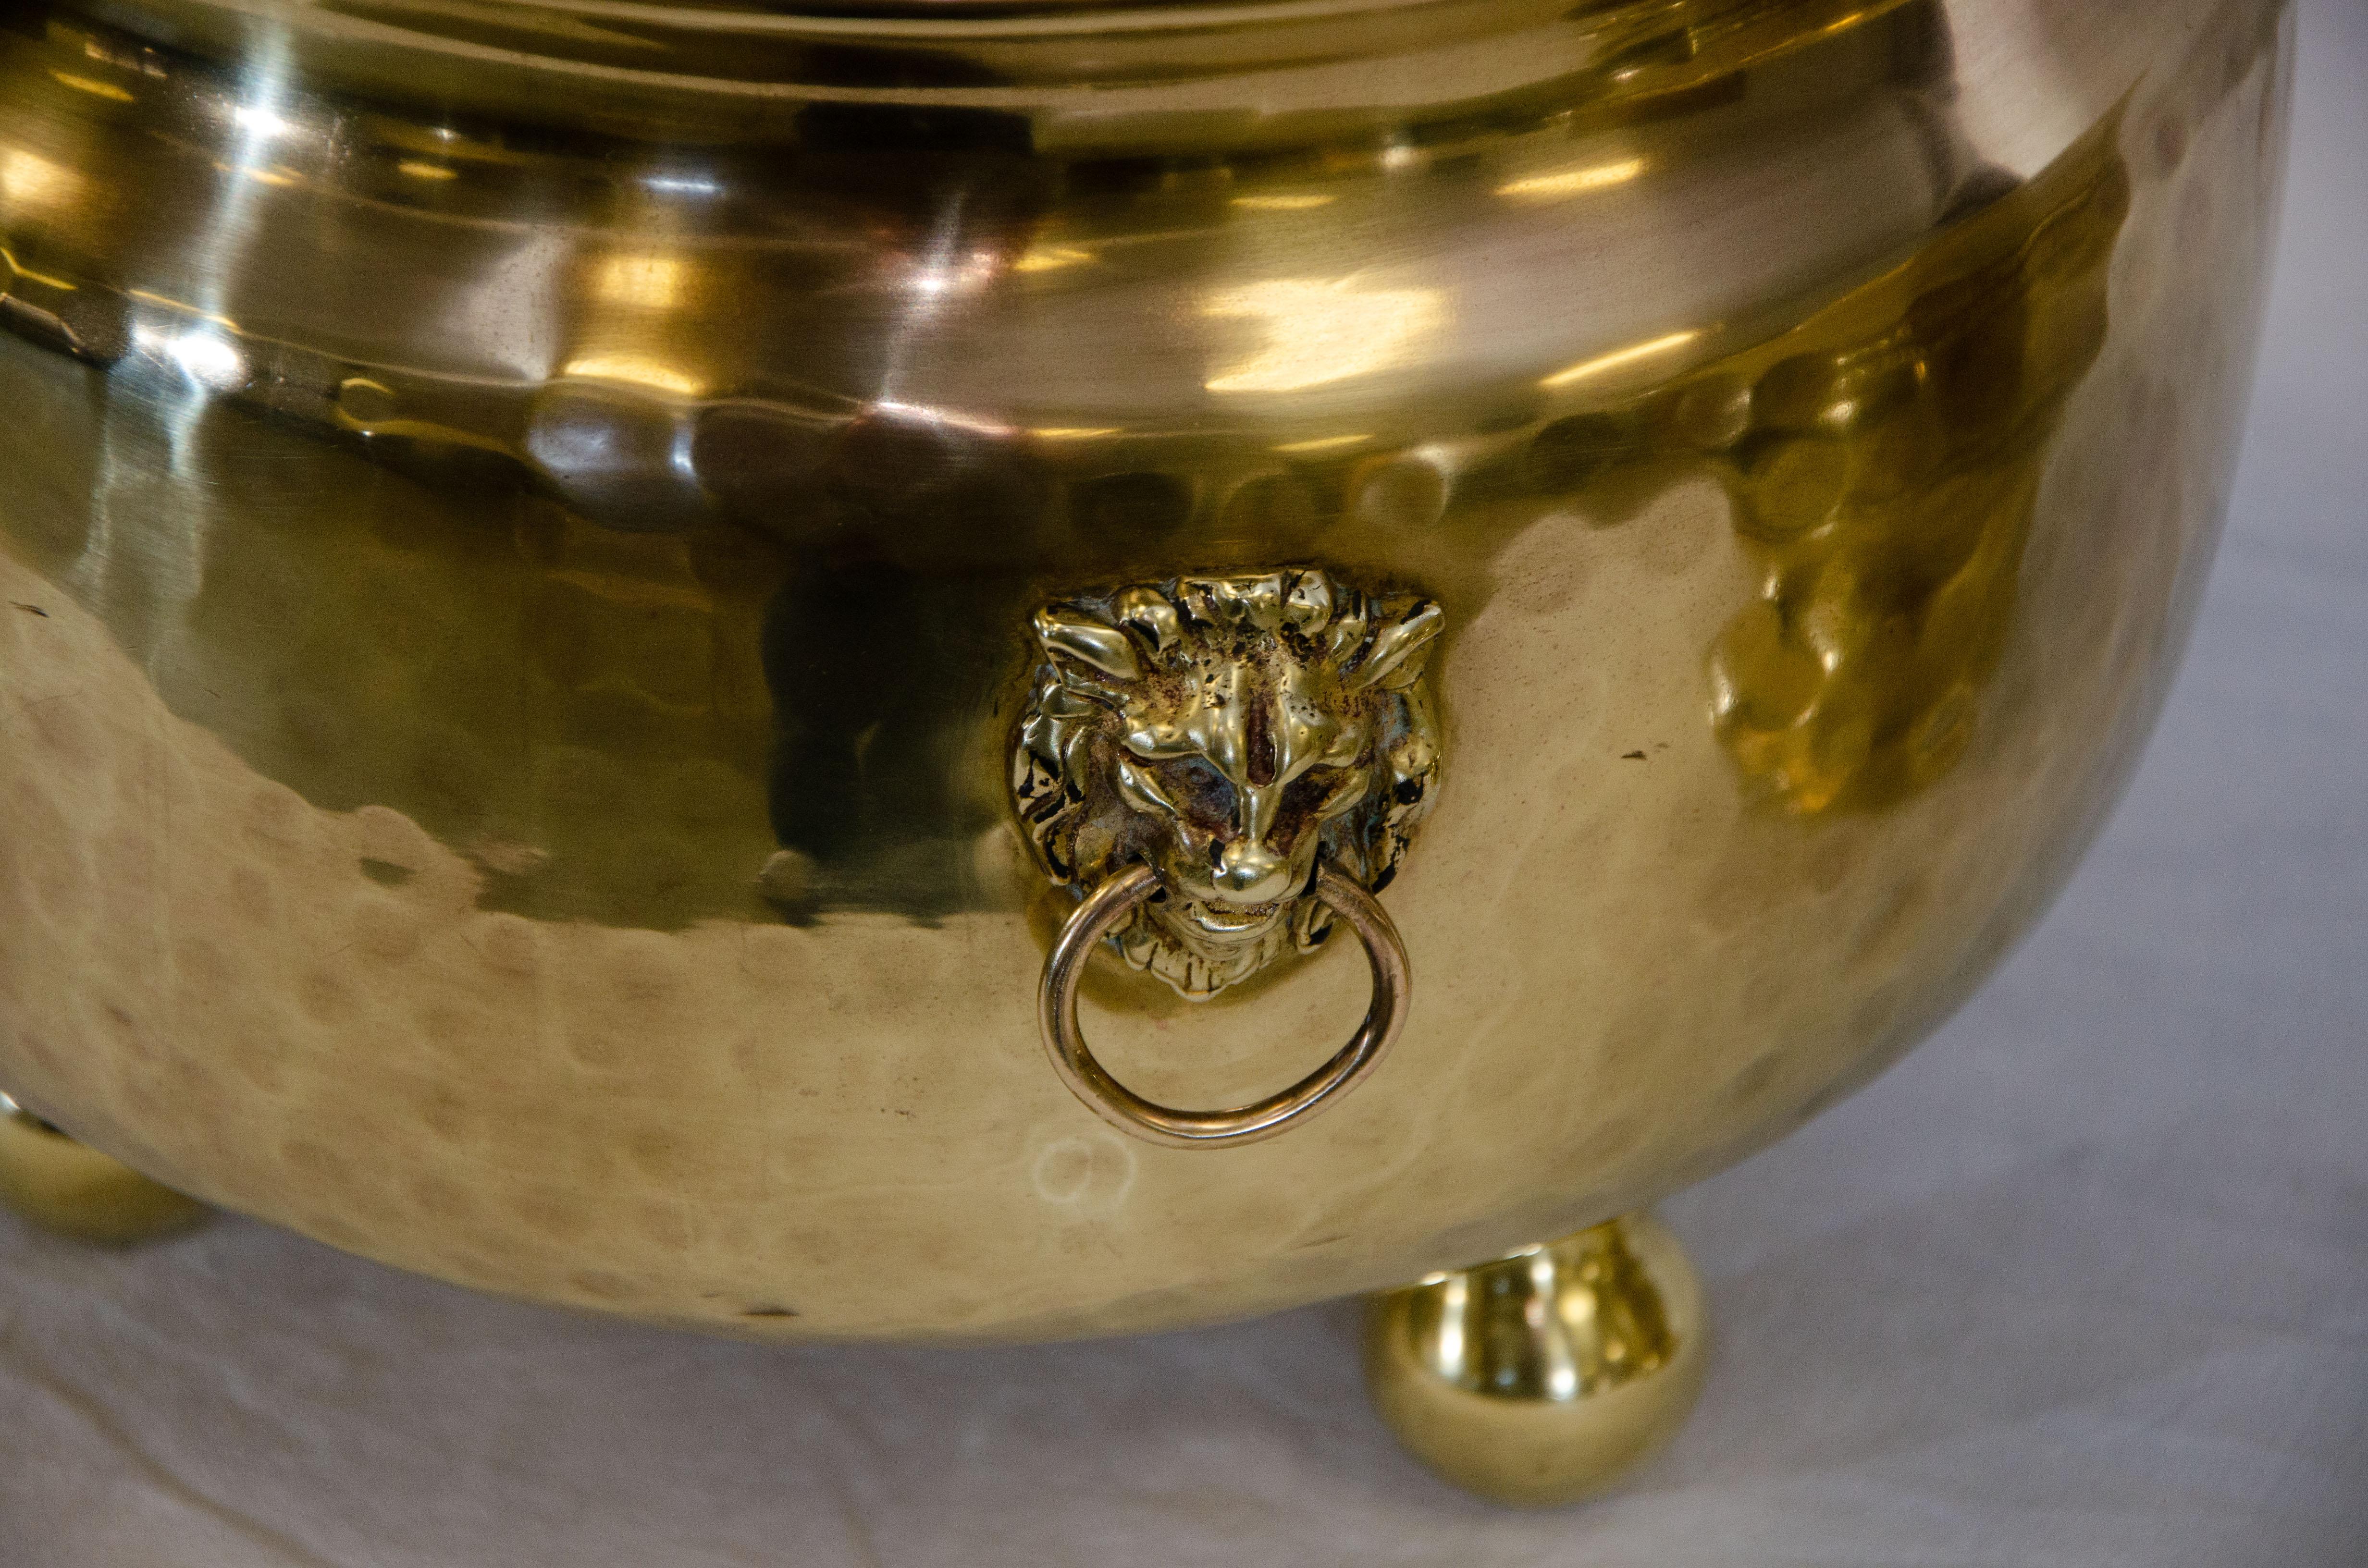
[737, 666]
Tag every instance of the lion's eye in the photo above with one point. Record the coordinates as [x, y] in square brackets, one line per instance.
[1314, 790]
[1197, 784]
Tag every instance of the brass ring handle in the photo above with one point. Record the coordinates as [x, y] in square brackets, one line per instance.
[1057, 1007]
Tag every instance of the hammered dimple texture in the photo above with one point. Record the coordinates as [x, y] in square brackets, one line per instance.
[329, 1012]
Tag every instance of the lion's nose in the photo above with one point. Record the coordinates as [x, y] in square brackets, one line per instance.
[1249, 872]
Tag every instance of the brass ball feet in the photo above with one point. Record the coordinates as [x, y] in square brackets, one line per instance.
[76, 1191]
[1546, 1375]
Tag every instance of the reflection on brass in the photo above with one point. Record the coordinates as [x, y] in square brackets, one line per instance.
[1886, 485]
[523, 532]
[76, 1191]
[1884, 460]
[1128, 892]
[1228, 730]
[1054, 75]
[1545, 1375]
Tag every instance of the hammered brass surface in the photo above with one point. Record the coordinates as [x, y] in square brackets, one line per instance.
[76, 1191]
[519, 566]
[1549, 1374]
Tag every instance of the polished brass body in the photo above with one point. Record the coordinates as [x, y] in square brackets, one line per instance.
[526, 528]
[1543, 1376]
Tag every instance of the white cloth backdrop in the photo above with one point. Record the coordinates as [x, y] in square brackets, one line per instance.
[2084, 1282]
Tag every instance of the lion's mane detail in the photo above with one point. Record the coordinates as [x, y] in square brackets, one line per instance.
[1229, 732]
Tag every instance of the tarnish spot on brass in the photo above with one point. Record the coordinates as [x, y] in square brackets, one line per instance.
[1092, 1173]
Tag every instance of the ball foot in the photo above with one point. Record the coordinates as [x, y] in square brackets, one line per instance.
[1546, 1375]
[76, 1191]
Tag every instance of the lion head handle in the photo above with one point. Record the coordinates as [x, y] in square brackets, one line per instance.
[1227, 732]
